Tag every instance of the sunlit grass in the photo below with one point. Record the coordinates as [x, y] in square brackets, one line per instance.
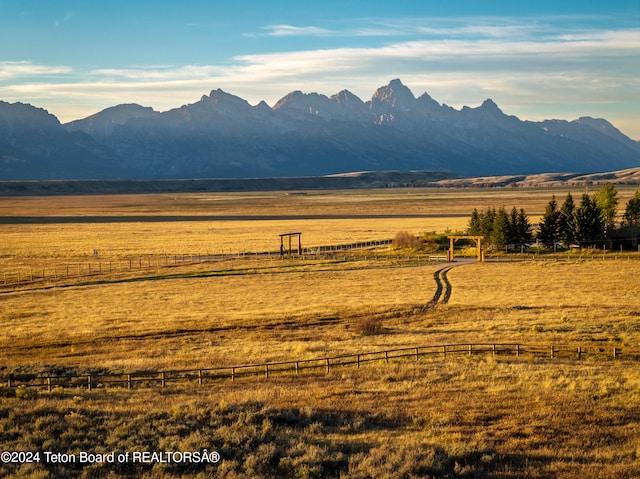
[458, 417]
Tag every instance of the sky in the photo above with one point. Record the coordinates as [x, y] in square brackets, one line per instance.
[536, 60]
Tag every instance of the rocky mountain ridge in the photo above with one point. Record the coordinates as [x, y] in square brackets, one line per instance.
[303, 134]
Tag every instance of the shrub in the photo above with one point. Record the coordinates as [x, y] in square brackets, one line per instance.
[368, 326]
[23, 392]
[403, 239]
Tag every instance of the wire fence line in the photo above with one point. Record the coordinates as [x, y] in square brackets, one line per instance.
[96, 266]
[92, 267]
[164, 378]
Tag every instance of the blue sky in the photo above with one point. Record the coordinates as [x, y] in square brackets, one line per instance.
[536, 60]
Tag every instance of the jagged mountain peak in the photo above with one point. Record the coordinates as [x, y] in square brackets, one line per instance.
[395, 95]
[221, 135]
[428, 103]
[297, 100]
[345, 97]
[224, 102]
[262, 106]
[489, 105]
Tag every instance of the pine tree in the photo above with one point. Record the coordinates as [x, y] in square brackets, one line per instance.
[631, 218]
[512, 231]
[487, 221]
[499, 235]
[550, 224]
[475, 223]
[588, 221]
[632, 211]
[523, 228]
[567, 221]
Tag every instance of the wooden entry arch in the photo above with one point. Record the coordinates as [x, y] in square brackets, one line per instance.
[283, 250]
[477, 239]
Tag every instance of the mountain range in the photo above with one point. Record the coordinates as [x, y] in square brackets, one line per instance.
[303, 134]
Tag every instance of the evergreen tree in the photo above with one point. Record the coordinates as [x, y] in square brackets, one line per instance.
[567, 221]
[550, 224]
[499, 234]
[588, 221]
[513, 228]
[631, 218]
[523, 228]
[486, 222]
[475, 223]
[607, 201]
[632, 211]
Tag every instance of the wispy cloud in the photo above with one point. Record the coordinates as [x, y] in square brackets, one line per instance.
[160, 73]
[463, 61]
[290, 31]
[25, 69]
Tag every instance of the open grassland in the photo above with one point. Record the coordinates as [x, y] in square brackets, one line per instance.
[121, 227]
[468, 418]
[455, 417]
[396, 202]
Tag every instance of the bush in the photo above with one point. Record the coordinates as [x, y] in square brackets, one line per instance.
[23, 392]
[403, 239]
[368, 326]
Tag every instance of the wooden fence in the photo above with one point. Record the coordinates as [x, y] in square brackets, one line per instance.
[97, 266]
[325, 364]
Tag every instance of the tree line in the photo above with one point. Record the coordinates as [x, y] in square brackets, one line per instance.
[591, 222]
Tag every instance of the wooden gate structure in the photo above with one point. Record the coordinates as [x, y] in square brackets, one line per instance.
[289, 251]
[476, 239]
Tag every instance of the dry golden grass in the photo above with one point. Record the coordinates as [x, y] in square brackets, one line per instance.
[416, 201]
[460, 417]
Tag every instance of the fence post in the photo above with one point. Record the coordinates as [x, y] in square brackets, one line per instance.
[470, 350]
[579, 352]
[128, 381]
[89, 385]
[517, 350]
[417, 355]
[386, 357]
[358, 360]
[327, 365]
[493, 351]
[615, 352]
[163, 379]
[297, 367]
[552, 352]
[49, 383]
[444, 352]
[200, 377]
[266, 371]
[233, 374]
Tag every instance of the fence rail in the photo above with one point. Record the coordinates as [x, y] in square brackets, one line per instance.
[326, 364]
[98, 266]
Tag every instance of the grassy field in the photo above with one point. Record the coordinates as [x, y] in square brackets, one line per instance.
[459, 417]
